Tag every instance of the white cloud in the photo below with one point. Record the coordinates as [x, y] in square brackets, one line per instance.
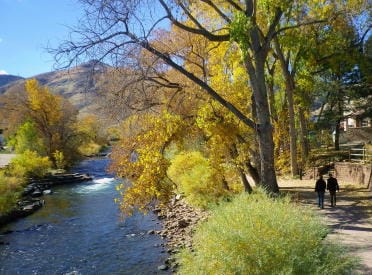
[1, 40]
[2, 72]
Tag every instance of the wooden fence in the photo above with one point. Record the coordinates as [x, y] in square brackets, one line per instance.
[363, 155]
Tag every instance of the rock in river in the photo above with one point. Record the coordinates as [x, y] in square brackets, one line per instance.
[47, 192]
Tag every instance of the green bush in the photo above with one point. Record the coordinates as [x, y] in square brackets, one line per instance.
[196, 178]
[30, 164]
[59, 159]
[255, 234]
[27, 138]
[10, 188]
[90, 149]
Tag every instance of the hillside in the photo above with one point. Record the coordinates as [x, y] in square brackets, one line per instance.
[77, 84]
[6, 79]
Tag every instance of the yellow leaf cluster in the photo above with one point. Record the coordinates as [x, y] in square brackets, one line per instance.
[43, 103]
[139, 158]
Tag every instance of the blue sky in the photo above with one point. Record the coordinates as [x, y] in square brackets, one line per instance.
[27, 27]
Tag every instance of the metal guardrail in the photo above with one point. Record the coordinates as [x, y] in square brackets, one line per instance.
[360, 155]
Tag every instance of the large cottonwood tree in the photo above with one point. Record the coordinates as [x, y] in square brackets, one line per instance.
[111, 29]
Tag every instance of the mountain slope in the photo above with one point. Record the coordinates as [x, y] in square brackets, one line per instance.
[77, 84]
[6, 79]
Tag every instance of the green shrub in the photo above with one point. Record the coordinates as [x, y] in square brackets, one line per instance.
[29, 164]
[27, 138]
[90, 149]
[10, 188]
[255, 234]
[196, 178]
[59, 159]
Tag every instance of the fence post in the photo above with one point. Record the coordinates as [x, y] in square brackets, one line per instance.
[349, 154]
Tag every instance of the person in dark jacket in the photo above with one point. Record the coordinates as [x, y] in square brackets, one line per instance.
[320, 188]
[332, 187]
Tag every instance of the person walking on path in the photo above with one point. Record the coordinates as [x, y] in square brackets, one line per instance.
[332, 187]
[320, 188]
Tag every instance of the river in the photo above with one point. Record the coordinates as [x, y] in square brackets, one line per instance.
[80, 231]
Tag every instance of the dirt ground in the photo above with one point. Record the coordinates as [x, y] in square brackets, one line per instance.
[350, 220]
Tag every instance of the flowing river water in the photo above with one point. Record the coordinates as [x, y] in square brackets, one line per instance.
[80, 231]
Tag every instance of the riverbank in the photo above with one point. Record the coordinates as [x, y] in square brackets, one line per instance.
[178, 220]
[350, 221]
[30, 200]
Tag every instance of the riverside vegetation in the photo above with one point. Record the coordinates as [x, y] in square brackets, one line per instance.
[225, 90]
[46, 135]
[260, 234]
[14, 177]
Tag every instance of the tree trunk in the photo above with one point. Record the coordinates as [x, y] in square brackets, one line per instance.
[292, 133]
[290, 88]
[244, 180]
[264, 131]
[270, 89]
[253, 173]
[247, 186]
[338, 121]
[225, 184]
[256, 154]
[305, 149]
[337, 135]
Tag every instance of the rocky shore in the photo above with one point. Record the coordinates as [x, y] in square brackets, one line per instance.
[36, 188]
[179, 220]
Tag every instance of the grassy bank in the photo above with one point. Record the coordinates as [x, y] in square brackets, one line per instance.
[14, 177]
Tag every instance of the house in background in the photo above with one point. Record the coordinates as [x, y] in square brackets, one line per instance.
[355, 120]
[357, 137]
[356, 131]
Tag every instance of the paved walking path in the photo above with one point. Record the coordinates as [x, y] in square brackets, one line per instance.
[5, 159]
[350, 221]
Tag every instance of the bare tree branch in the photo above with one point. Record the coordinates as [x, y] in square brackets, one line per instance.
[200, 31]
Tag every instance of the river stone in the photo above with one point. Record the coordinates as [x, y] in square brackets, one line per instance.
[28, 190]
[36, 193]
[183, 223]
[163, 267]
[156, 210]
[47, 192]
[161, 216]
[28, 207]
[170, 260]
[178, 197]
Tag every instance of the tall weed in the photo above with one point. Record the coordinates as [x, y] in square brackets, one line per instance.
[10, 188]
[256, 234]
